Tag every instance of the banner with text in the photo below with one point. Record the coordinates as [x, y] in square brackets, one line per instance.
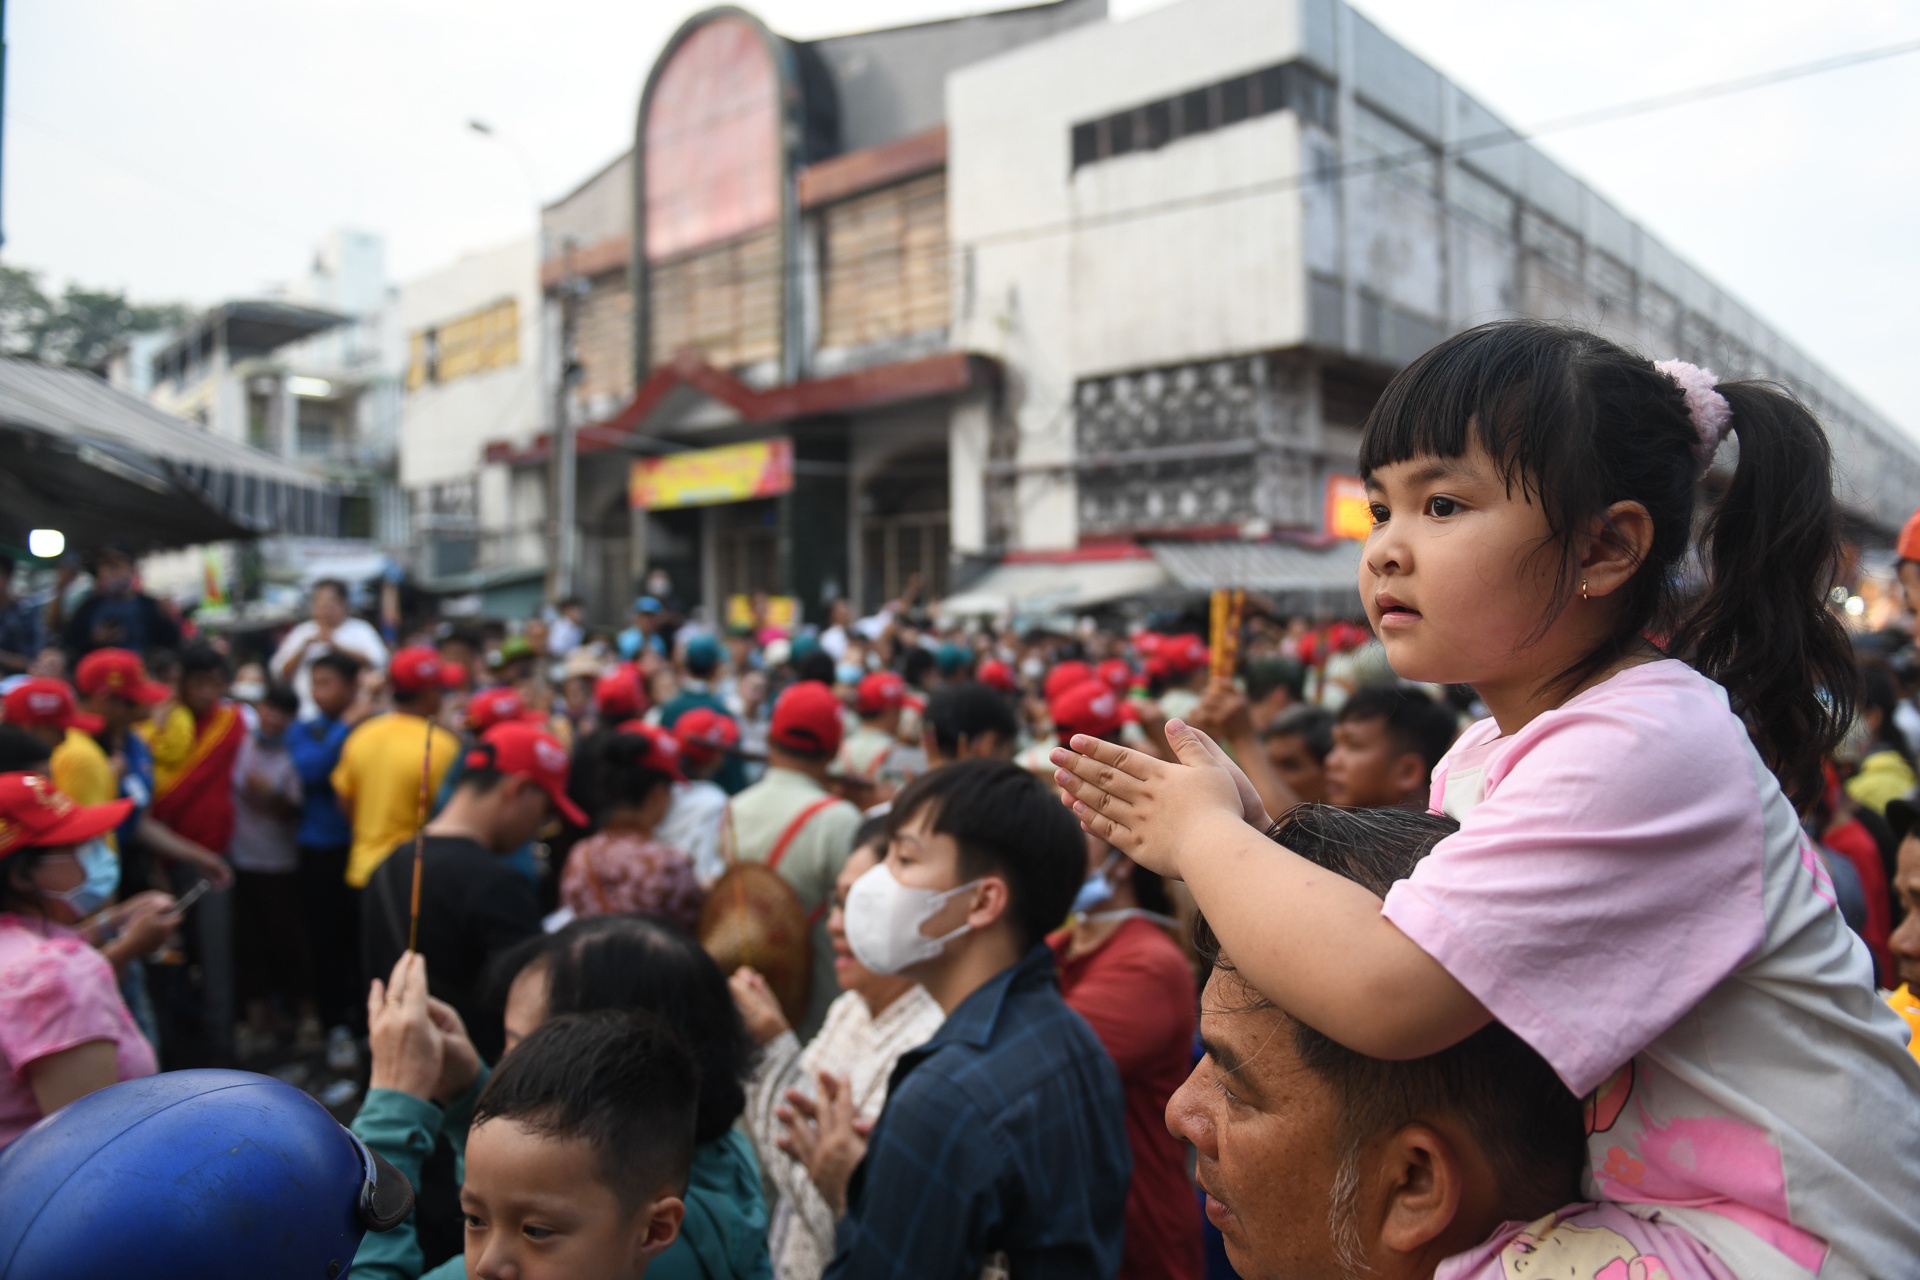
[706, 477]
[1349, 514]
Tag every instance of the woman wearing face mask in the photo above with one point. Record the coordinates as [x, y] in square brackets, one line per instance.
[1121, 971]
[64, 1029]
[845, 1067]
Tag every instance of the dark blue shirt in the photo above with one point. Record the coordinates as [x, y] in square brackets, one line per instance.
[136, 782]
[1006, 1132]
[314, 744]
[20, 631]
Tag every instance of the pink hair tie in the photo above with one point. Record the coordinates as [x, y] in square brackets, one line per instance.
[1712, 415]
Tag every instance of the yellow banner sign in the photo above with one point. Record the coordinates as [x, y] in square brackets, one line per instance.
[1349, 514]
[781, 613]
[705, 477]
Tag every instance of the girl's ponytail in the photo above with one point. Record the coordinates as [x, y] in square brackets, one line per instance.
[1763, 629]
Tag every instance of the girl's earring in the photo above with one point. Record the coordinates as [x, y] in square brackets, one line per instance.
[1583, 588]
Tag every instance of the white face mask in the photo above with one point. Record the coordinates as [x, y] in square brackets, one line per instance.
[883, 919]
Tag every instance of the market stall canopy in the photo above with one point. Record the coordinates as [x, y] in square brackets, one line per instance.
[106, 467]
[1055, 585]
[1295, 576]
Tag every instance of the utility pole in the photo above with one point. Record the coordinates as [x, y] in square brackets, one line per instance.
[562, 459]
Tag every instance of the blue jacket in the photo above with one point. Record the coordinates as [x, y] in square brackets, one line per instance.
[314, 744]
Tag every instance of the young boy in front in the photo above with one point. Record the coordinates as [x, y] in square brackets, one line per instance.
[577, 1150]
[1003, 1141]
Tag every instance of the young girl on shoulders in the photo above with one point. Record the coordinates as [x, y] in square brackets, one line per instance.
[1630, 890]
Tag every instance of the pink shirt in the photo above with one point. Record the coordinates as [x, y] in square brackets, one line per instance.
[55, 992]
[1630, 892]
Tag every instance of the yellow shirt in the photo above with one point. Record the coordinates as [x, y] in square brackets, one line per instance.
[378, 782]
[170, 735]
[82, 770]
[1907, 1005]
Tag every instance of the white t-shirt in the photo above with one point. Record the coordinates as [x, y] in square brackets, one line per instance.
[692, 825]
[353, 636]
[1631, 893]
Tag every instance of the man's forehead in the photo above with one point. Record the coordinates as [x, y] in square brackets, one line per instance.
[1241, 1029]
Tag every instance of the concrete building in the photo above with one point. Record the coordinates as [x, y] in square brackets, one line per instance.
[472, 342]
[1102, 315]
[310, 376]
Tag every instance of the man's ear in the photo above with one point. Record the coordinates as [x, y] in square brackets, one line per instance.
[663, 1218]
[991, 902]
[1411, 777]
[1423, 1179]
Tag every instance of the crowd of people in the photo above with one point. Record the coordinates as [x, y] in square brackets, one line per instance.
[1457, 943]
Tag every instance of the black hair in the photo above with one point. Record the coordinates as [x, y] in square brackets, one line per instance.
[919, 663]
[479, 779]
[7, 566]
[162, 664]
[1525, 1119]
[968, 710]
[870, 831]
[343, 664]
[1879, 692]
[15, 867]
[1312, 725]
[22, 752]
[1264, 675]
[334, 585]
[619, 779]
[200, 658]
[281, 697]
[1006, 823]
[1414, 721]
[1578, 423]
[641, 962]
[620, 1080]
[1150, 889]
[817, 666]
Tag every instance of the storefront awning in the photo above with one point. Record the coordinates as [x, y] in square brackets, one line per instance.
[1033, 587]
[105, 467]
[1295, 576]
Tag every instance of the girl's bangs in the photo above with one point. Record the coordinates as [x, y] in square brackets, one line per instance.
[1498, 386]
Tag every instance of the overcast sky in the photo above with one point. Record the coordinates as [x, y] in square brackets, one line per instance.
[199, 149]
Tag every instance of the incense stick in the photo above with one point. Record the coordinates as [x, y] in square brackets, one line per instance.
[419, 842]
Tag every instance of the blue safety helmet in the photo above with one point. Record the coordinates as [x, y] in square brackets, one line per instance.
[199, 1175]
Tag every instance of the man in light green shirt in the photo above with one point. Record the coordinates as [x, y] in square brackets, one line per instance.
[791, 822]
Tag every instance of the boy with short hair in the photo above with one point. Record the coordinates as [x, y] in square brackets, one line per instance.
[324, 835]
[579, 1150]
[1003, 1140]
[1386, 741]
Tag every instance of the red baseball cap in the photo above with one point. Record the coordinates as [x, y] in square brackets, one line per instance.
[1090, 707]
[663, 749]
[878, 693]
[528, 751]
[620, 695]
[33, 815]
[996, 674]
[1117, 673]
[1182, 653]
[806, 720]
[415, 668]
[704, 733]
[1063, 677]
[48, 703]
[118, 671]
[490, 707]
[1908, 547]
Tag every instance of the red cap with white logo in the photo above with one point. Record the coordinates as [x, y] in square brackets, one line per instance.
[47, 703]
[33, 815]
[1090, 707]
[527, 751]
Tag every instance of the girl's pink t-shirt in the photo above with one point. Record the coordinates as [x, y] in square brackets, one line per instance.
[55, 992]
[1631, 893]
